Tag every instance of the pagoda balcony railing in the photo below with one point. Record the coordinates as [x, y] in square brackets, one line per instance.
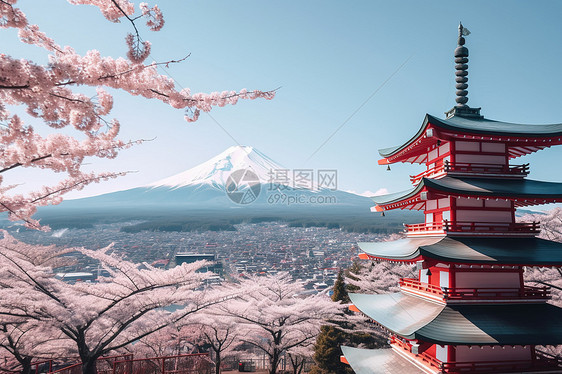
[424, 228]
[459, 227]
[426, 358]
[543, 362]
[480, 293]
[472, 168]
[416, 285]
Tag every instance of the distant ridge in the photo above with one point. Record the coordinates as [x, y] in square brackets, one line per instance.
[204, 187]
[203, 194]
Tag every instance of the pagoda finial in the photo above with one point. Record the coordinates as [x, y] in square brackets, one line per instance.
[461, 60]
[461, 67]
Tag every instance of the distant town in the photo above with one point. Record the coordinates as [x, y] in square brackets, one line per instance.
[313, 255]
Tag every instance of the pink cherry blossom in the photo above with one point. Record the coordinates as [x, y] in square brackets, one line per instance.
[48, 93]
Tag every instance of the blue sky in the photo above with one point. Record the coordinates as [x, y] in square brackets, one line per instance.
[328, 57]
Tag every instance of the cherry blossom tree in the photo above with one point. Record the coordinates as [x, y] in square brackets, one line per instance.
[170, 341]
[67, 125]
[97, 317]
[211, 329]
[377, 277]
[14, 353]
[23, 339]
[20, 344]
[24, 342]
[299, 356]
[551, 229]
[217, 330]
[550, 221]
[278, 315]
[78, 125]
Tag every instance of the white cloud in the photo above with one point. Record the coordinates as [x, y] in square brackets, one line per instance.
[380, 191]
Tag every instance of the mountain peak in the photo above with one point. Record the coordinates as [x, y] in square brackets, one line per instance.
[239, 148]
[215, 171]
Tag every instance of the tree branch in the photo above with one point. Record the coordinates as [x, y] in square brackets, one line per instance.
[32, 161]
[67, 98]
[3, 87]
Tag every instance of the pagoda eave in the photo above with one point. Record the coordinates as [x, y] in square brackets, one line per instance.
[412, 318]
[366, 256]
[469, 251]
[379, 361]
[414, 153]
[487, 128]
[523, 192]
[520, 139]
[512, 189]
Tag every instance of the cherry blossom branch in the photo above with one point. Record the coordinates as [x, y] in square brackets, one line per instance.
[546, 284]
[166, 63]
[22, 209]
[40, 158]
[125, 15]
[47, 93]
[33, 281]
[67, 98]
[163, 325]
[14, 87]
[109, 76]
[74, 185]
[139, 50]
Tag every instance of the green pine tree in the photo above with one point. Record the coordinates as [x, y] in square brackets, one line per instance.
[327, 352]
[340, 291]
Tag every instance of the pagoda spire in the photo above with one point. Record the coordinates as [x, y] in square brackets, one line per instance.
[461, 67]
[461, 78]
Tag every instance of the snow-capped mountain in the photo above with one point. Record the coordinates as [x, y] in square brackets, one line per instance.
[216, 171]
[233, 186]
[238, 178]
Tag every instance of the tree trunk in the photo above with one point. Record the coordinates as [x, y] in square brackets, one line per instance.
[26, 365]
[274, 362]
[89, 366]
[218, 363]
[301, 366]
[297, 364]
[295, 368]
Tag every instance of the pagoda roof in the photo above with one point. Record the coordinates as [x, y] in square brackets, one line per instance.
[484, 127]
[487, 126]
[378, 361]
[415, 318]
[469, 250]
[478, 187]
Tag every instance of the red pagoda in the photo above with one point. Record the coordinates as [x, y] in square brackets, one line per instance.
[469, 311]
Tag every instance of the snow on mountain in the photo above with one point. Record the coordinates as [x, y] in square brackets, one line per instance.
[216, 171]
[215, 184]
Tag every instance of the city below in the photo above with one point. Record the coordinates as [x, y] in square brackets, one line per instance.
[313, 255]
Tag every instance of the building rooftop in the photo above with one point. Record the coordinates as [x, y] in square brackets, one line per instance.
[416, 318]
[538, 192]
[469, 250]
[521, 139]
[378, 361]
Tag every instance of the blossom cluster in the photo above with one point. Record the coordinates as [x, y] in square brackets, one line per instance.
[48, 93]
